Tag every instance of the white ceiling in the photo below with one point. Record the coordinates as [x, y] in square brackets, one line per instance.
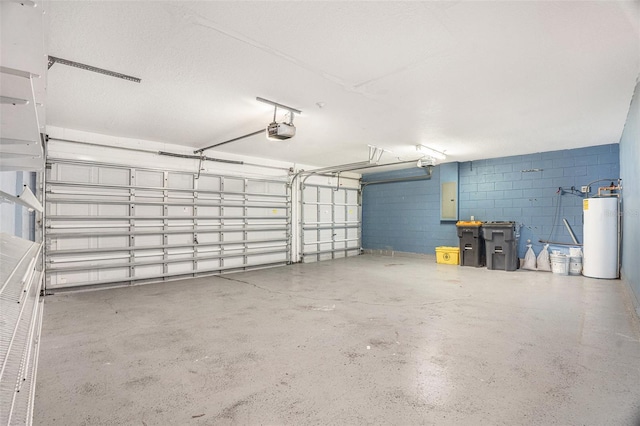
[474, 79]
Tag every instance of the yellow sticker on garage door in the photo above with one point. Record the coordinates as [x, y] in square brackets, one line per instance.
[275, 211]
[585, 204]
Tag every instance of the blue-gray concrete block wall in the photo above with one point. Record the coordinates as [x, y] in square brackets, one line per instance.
[525, 189]
[405, 216]
[630, 171]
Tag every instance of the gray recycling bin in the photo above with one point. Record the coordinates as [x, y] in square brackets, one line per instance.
[471, 243]
[501, 244]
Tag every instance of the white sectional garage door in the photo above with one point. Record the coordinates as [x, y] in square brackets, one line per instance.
[330, 222]
[109, 223]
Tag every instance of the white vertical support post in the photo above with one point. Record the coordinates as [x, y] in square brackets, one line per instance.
[245, 210]
[221, 234]
[301, 223]
[195, 225]
[94, 210]
[289, 218]
[346, 219]
[48, 209]
[333, 223]
[165, 223]
[41, 180]
[318, 216]
[132, 223]
[359, 207]
[345, 215]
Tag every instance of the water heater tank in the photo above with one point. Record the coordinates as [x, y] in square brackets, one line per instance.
[600, 248]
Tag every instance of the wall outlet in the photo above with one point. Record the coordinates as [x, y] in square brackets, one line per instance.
[585, 189]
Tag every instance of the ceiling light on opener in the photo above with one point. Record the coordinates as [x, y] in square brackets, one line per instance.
[284, 130]
[431, 152]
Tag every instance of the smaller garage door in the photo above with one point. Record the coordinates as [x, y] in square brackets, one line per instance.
[330, 223]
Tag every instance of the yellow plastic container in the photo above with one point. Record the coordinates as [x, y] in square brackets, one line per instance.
[448, 255]
[469, 223]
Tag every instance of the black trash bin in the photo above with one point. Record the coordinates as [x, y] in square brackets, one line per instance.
[501, 245]
[472, 252]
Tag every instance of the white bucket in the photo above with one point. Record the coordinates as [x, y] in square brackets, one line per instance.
[575, 252]
[575, 265]
[560, 264]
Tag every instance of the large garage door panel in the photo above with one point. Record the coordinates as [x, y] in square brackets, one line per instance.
[113, 224]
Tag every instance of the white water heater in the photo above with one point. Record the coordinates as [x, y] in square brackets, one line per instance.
[600, 248]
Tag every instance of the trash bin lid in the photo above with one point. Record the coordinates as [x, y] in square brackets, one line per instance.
[469, 223]
[498, 224]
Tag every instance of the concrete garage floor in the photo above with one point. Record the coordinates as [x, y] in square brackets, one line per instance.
[366, 340]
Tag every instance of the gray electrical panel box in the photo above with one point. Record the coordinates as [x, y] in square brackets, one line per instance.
[449, 191]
